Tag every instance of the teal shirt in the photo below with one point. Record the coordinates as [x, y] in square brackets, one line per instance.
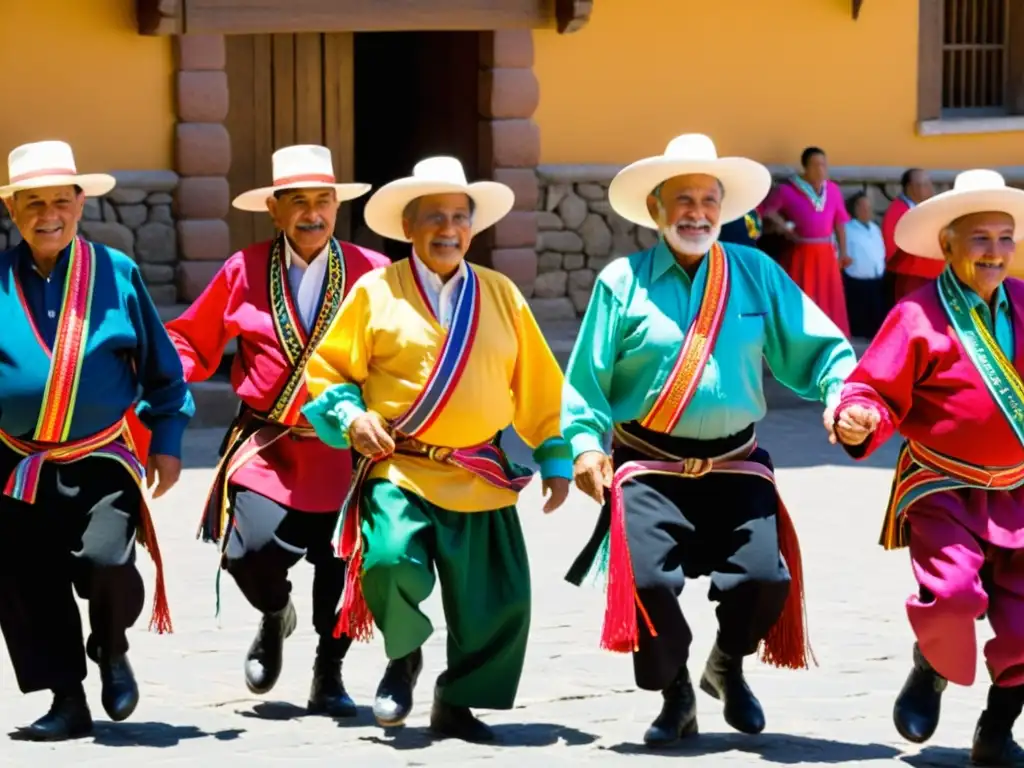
[634, 327]
[1003, 330]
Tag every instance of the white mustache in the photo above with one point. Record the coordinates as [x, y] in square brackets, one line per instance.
[310, 227]
[449, 242]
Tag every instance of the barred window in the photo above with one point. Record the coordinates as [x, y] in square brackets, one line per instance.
[975, 49]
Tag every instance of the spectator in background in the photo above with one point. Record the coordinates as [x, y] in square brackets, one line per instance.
[864, 276]
[906, 272]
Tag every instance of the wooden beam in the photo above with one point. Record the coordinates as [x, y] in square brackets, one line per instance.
[233, 17]
[856, 8]
[572, 15]
[160, 17]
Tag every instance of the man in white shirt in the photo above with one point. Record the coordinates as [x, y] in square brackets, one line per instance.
[278, 489]
[864, 276]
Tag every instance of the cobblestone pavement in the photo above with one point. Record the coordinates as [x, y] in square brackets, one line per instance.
[576, 703]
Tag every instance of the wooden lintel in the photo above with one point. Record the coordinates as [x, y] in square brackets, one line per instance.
[856, 8]
[572, 15]
[235, 17]
[159, 17]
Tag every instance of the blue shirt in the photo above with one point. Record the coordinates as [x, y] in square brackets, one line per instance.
[635, 325]
[1003, 319]
[125, 335]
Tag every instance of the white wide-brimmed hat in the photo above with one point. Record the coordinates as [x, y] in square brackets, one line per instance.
[435, 176]
[50, 164]
[746, 182]
[302, 166]
[977, 191]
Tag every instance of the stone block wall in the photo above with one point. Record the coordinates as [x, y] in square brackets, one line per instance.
[136, 218]
[578, 233]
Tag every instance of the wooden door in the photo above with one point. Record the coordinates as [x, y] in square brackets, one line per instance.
[287, 89]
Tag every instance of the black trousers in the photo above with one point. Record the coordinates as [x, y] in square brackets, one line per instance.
[266, 540]
[78, 536]
[720, 525]
[866, 304]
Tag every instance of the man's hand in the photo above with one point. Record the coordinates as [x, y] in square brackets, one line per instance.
[556, 490]
[593, 472]
[162, 471]
[369, 436]
[855, 424]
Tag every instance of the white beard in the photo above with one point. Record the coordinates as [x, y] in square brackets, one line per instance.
[691, 246]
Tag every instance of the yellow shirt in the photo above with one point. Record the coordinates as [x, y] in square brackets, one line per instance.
[379, 353]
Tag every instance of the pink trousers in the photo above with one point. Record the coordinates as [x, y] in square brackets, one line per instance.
[947, 560]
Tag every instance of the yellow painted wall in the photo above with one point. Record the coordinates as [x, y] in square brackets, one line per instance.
[763, 78]
[78, 71]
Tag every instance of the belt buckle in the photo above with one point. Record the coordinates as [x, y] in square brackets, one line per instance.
[696, 467]
[439, 453]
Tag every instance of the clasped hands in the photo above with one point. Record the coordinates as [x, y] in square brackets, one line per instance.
[854, 425]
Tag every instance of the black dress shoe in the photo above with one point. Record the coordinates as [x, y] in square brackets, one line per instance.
[455, 722]
[68, 718]
[393, 702]
[678, 717]
[327, 694]
[917, 708]
[266, 654]
[993, 738]
[723, 679]
[120, 692]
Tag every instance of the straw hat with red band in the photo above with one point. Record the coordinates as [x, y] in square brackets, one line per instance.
[304, 166]
[50, 164]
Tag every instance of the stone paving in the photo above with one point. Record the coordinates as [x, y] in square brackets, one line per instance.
[576, 703]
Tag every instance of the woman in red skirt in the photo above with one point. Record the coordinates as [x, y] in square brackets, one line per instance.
[811, 210]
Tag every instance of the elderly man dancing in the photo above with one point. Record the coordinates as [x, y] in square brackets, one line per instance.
[278, 489]
[945, 372]
[81, 340]
[428, 361]
[669, 360]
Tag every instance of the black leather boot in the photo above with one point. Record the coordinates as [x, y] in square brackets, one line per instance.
[327, 694]
[68, 718]
[393, 702]
[457, 722]
[266, 654]
[678, 717]
[916, 713]
[723, 679]
[120, 691]
[993, 738]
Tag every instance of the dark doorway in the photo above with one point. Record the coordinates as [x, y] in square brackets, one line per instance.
[415, 96]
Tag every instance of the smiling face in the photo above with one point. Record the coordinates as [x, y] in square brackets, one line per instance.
[306, 216]
[47, 218]
[440, 228]
[686, 210]
[980, 247]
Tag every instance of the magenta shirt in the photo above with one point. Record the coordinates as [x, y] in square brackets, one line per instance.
[796, 207]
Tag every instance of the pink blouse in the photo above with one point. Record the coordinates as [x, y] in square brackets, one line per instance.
[795, 206]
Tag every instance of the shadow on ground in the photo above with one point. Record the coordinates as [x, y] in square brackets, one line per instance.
[782, 749]
[506, 735]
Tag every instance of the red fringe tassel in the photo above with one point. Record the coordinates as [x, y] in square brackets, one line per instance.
[354, 619]
[621, 631]
[787, 644]
[160, 620]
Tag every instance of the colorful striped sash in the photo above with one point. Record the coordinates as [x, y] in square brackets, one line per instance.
[486, 462]
[786, 644]
[920, 472]
[117, 444]
[698, 345]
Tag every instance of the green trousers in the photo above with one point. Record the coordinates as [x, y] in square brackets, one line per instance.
[481, 560]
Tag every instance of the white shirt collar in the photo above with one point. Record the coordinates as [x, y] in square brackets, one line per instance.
[430, 277]
[290, 257]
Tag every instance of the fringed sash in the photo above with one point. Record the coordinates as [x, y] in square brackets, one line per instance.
[787, 644]
[250, 432]
[696, 350]
[50, 442]
[486, 461]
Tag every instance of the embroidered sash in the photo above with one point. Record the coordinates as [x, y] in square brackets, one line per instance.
[818, 201]
[50, 438]
[755, 227]
[698, 345]
[487, 461]
[251, 433]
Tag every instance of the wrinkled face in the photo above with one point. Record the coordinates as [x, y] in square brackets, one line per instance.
[441, 229]
[862, 209]
[47, 218]
[306, 216]
[980, 247]
[920, 187]
[687, 210]
[816, 169]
